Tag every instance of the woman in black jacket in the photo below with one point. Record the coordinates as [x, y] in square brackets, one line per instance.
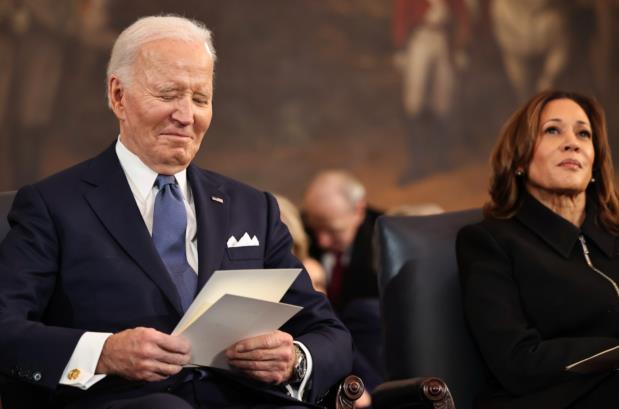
[540, 274]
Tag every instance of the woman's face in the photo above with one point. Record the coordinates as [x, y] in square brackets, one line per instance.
[563, 158]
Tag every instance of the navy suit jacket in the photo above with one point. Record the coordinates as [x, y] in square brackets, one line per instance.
[80, 258]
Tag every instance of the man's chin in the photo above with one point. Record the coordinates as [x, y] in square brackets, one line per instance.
[173, 164]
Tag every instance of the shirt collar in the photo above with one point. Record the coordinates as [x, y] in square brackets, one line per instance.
[561, 234]
[143, 177]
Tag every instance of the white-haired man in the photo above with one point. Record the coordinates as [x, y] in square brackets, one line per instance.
[103, 258]
[341, 225]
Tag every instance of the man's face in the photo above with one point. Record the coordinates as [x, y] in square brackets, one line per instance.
[166, 108]
[334, 223]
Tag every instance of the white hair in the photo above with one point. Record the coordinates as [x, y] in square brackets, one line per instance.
[147, 29]
[341, 181]
[352, 188]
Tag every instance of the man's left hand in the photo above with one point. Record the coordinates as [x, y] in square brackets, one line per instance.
[268, 358]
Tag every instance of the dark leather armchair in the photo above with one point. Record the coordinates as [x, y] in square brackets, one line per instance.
[423, 321]
[341, 397]
[6, 199]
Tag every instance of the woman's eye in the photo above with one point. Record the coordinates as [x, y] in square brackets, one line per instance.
[552, 130]
[584, 134]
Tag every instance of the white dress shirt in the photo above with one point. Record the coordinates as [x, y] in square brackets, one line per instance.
[328, 260]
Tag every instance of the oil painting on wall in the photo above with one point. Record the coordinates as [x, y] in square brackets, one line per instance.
[409, 95]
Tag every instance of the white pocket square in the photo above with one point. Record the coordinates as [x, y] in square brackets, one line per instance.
[245, 241]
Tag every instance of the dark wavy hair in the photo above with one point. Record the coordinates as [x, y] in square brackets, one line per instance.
[514, 151]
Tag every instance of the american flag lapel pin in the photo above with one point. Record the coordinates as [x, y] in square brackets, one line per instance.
[217, 199]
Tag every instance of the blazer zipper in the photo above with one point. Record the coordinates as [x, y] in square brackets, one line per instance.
[585, 250]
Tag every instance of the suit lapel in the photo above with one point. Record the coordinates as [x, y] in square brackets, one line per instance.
[113, 202]
[212, 208]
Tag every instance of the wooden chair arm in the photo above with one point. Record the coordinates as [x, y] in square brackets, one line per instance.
[349, 390]
[413, 393]
[343, 395]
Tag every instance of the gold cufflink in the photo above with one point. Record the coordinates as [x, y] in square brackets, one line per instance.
[73, 374]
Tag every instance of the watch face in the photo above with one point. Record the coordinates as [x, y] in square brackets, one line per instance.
[301, 368]
[300, 365]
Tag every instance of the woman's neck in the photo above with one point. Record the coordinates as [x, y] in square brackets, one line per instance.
[570, 206]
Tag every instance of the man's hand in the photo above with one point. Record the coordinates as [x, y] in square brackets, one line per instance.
[143, 354]
[268, 358]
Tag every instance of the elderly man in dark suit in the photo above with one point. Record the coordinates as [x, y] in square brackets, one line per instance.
[103, 258]
[341, 225]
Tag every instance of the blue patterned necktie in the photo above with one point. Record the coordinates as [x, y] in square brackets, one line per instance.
[169, 227]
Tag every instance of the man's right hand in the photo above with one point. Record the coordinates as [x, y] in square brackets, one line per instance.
[143, 354]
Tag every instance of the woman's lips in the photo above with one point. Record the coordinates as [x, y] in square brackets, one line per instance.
[570, 163]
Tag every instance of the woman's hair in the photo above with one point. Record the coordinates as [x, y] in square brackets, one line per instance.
[514, 152]
[292, 219]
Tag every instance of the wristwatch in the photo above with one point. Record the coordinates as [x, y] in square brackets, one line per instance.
[300, 366]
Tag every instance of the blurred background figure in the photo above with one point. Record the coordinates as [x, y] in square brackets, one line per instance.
[534, 42]
[8, 22]
[341, 226]
[430, 36]
[36, 42]
[292, 219]
[603, 44]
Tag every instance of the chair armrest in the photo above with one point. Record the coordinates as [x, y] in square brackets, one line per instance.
[413, 393]
[348, 392]
[344, 394]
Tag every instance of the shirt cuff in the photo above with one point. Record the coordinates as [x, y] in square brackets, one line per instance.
[298, 393]
[80, 371]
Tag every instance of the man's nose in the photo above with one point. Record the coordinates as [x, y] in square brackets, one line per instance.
[324, 240]
[184, 111]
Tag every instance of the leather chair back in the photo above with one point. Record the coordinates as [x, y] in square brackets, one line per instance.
[421, 304]
[6, 200]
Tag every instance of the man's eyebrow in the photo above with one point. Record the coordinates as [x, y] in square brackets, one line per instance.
[168, 88]
[203, 94]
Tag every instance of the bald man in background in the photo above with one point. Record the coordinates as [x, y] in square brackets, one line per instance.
[341, 227]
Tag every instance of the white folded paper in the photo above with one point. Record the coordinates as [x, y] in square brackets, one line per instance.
[234, 305]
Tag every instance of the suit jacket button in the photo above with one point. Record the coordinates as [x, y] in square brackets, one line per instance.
[37, 376]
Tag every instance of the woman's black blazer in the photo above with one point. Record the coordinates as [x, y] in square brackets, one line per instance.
[534, 305]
